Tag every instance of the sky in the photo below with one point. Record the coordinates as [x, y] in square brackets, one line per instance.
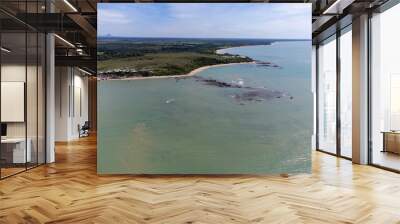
[205, 20]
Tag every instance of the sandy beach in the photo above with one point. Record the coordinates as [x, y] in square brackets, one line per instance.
[192, 73]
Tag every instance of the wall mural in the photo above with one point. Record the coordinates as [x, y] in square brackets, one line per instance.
[204, 88]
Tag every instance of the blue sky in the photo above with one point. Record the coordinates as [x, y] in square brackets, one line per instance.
[255, 20]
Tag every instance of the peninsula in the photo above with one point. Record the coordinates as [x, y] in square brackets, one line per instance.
[136, 58]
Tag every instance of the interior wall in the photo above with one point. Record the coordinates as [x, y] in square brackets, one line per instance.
[80, 109]
[32, 127]
[62, 81]
[16, 73]
[92, 91]
[314, 92]
[71, 102]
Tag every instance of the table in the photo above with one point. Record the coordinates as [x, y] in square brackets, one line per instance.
[16, 147]
[391, 141]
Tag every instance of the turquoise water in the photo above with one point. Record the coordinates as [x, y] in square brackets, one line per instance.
[169, 126]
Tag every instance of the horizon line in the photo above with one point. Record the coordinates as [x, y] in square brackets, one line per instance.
[249, 38]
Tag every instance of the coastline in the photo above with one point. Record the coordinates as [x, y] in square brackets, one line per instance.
[191, 73]
[228, 48]
[195, 71]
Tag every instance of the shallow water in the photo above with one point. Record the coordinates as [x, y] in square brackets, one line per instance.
[183, 126]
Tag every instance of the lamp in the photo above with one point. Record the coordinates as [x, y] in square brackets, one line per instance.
[5, 50]
[70, 5]
[64, 40]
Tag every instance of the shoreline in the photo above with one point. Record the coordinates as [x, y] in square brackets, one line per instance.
[190, 74]
[195, 71]
[228, 48]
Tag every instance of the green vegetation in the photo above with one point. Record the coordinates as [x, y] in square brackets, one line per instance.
[161, 57]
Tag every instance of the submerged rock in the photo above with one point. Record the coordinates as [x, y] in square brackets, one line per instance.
[258, 95]
[248, 93]
[217, 83]
[267, 64]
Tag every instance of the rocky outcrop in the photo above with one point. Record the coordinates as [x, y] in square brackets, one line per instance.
[248, 93]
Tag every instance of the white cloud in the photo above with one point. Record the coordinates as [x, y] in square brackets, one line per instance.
[107, 16]
[254, 20]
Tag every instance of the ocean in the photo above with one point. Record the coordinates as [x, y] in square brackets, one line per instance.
[234, 119]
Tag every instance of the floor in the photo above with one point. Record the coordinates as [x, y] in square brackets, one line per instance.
[5, 172]
[10, 171]
[69, 191]
[386, 159]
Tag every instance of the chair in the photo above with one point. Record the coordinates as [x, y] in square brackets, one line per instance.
[84, 130]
